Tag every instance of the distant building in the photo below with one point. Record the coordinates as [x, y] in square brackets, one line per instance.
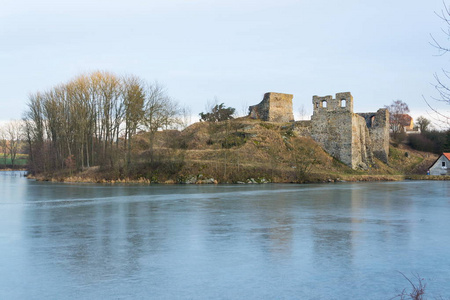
[405, 123]
[441, 165]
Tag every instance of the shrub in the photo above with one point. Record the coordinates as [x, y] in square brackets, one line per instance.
[417, 289]
[421, 142]
[235, 139]
[218, 113]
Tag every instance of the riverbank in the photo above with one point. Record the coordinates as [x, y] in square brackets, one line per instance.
[259, 180]
[240, 151]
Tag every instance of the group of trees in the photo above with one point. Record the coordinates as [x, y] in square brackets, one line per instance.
[398, 119]
[429, 139]
[91, 120]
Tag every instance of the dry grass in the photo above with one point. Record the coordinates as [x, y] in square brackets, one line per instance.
[242, 149]
[272, 147]
[269, 150]
[417, 289]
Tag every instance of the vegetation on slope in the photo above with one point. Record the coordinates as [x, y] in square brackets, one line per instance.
[240, 151]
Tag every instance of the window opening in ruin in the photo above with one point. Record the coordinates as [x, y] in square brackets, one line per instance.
[443, 164]
[343, 103]
[372, 119]
[317, 105]
[324, 103]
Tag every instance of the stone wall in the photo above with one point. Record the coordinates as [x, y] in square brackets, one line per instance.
[303, 128]
[352, 138]
[342, 102]
[275, 107]
[378, 125]
[342, 133]
[333, 131]
[362, 155]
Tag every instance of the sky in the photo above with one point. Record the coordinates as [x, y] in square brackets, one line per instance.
[233, 51]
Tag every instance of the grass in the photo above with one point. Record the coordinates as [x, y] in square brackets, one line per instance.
[21, 160]
[242, 149]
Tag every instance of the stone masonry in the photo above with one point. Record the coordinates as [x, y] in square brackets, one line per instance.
[378, 124]
[275, 107]
[352, 138]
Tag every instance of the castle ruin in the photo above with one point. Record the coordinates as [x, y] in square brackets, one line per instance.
[353, 138]
[275, 107]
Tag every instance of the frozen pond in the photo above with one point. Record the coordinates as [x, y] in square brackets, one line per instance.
[329, 241]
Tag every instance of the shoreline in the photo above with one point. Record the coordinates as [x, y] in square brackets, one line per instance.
[204, 180]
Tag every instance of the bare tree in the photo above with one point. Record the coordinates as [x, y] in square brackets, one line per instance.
[3, 145]
[186, 117]
[81, 116]
[34, 124]
[134, 99]
[244, 109]
[423, 124]
[91, 121]
[398, 117]
[442, 81]
[302, 112]
[160, 112]
[211, 103]
[13, 131]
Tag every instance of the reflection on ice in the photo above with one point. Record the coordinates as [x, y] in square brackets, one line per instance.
[265, 241]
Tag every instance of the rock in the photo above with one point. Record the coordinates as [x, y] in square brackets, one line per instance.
[191, 180]
[206, 181]
[211, 181]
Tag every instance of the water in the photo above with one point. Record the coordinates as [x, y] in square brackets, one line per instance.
[331, 241]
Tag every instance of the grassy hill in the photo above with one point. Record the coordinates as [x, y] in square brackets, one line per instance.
[236, 150]
[246, 151]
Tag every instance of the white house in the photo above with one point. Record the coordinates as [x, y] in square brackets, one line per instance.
[441, 166]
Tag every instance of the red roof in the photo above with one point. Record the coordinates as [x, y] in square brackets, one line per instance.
[402, 119]
[447, 155]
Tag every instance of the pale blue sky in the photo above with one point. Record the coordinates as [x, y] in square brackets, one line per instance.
[233, 50]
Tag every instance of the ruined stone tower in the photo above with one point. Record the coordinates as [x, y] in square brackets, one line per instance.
[275, 107]
[352, 138]
[378, 124]
[347, 136]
